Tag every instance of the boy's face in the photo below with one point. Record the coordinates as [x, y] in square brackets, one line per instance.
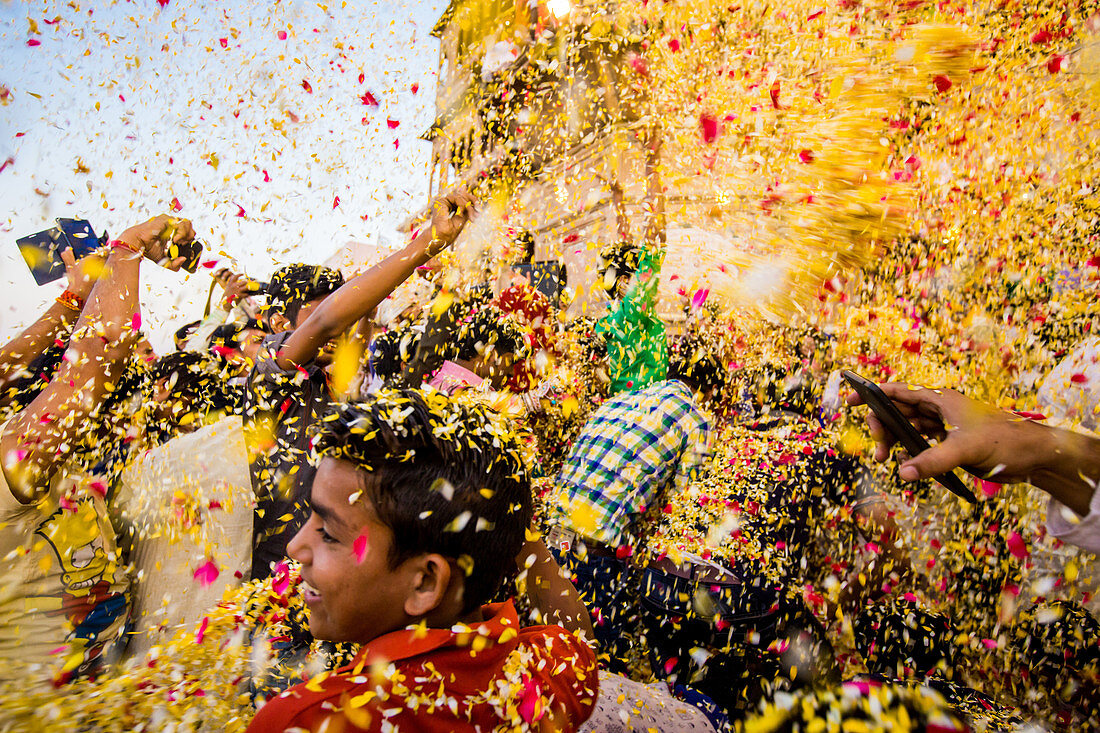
[353, 593]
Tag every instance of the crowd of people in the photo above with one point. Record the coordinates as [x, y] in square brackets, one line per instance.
[482, 516]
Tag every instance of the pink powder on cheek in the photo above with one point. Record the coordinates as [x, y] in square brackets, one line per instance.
[360, 546]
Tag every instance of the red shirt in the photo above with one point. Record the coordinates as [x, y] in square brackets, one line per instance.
[492, 676]
[534, 311]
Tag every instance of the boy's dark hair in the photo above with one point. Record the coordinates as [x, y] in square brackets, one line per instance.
[696, 366]
[293, 286]
[443, 474]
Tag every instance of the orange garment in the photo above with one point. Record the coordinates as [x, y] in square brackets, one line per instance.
[492, 676]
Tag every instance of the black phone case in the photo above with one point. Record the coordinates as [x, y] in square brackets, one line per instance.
[898, 425]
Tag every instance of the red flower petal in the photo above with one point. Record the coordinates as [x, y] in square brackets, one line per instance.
[175, 205]
[1017, 546]
[414, 88]
[392, 124]
[307, 87]
[335, 201]
[281, 35]
[1055, 64]
[1078, 379]
[1042, 37]
[34, 42]
[942, 83]
[674, 44]
[806, 156]
[369, 100]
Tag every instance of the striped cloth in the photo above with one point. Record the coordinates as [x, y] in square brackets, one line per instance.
[636, 445]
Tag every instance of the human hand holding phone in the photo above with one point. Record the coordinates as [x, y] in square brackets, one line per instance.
[991, 444]
[897, 416]
[165, 240]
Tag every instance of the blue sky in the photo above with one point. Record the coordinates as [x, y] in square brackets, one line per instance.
[121, 108]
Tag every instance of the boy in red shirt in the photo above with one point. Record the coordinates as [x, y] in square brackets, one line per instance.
[419, 507]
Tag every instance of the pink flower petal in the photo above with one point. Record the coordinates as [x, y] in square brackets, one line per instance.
[207, 573]
[359, 547]
[201, 633]
[280, 583]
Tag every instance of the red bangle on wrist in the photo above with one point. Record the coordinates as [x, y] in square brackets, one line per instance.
[118, 243]
[71, 300]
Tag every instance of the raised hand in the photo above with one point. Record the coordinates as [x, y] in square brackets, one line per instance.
[152, 238]
[448, 217]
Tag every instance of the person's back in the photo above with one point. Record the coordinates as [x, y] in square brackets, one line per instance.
[630, 450]
[420, 505]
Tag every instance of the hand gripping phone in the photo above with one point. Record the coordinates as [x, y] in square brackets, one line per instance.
[900, 427]
[42, 250]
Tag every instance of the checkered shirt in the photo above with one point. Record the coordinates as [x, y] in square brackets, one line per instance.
[635, 446]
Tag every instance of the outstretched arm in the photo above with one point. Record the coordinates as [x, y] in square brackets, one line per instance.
[992, 444]
[362, 294]
[35, 443]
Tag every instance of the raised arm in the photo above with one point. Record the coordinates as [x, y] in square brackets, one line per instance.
[362, 294]
[35, 443]
[991, 444]
[53, 325]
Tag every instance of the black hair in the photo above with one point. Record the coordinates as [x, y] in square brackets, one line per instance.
[293, 286]
[900, 640]
[184, 332]
[789, 391]
[445, 475]
[868, 703]
[22, 390]
[697, 366]
[526, 239]
[390, 351]
[622, 257]
[488, 326]
[198, 377]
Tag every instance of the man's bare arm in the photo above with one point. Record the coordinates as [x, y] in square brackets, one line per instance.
[992, 444]
[362, 294]
[37, 441]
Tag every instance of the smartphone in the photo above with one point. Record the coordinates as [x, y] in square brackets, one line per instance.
[192, 251]
[900, 427]
[42, 250]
